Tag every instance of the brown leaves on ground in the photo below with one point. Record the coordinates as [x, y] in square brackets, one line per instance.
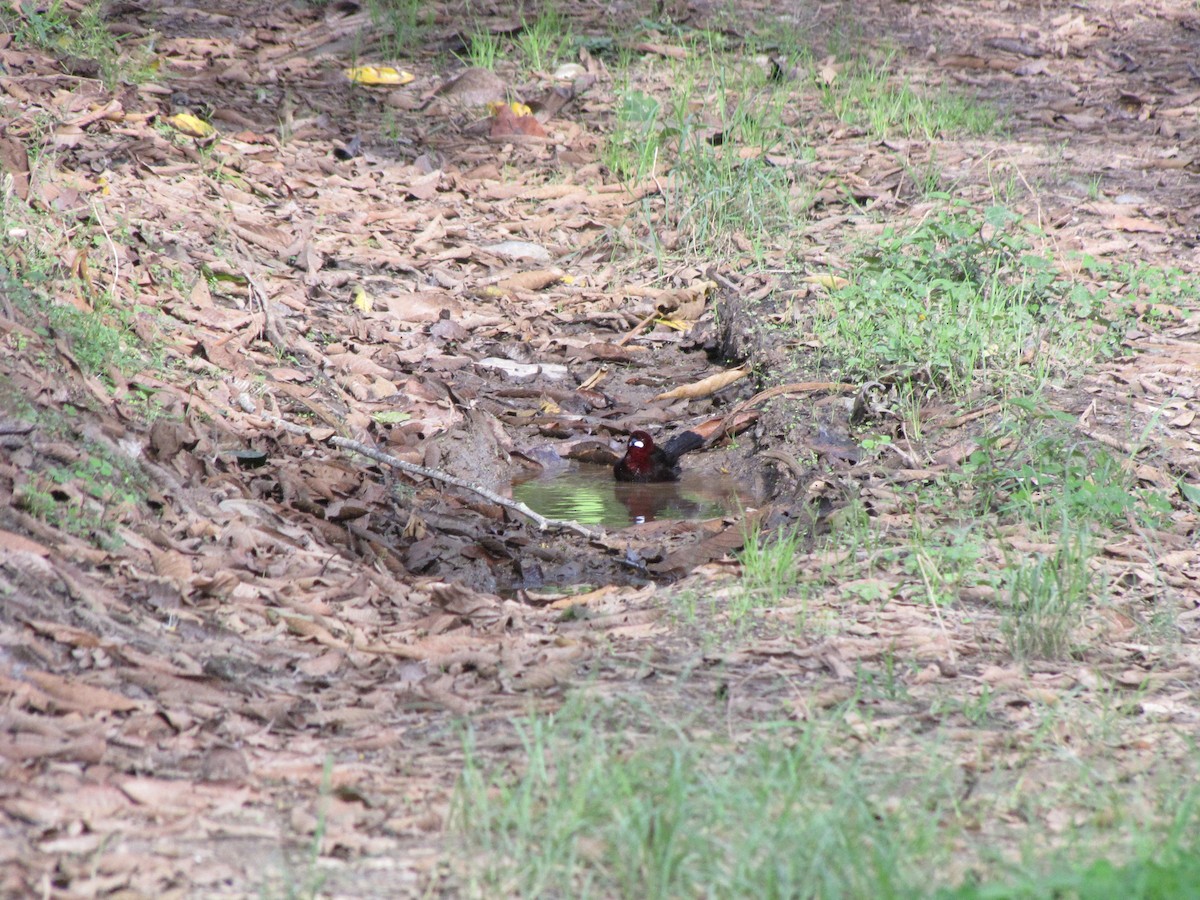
[181, 654]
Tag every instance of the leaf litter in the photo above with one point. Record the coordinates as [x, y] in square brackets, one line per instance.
[178, 671]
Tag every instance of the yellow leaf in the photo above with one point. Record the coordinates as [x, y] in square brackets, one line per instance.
[676, 324]
[518, 109]
[378, 75]
[362, 300]
[190, 125]
[824, 279]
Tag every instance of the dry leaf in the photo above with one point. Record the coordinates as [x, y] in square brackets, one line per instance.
[826, 280]
[530, 281]
[1133, 224]
[506, 123]
[666, 50]
[705, 386]
[20, 544]
[74, 695]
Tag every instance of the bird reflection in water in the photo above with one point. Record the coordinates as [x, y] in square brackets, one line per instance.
[665, 500]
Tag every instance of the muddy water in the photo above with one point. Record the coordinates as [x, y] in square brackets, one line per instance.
[588, 494]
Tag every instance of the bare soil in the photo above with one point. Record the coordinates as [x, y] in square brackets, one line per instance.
[181, 671]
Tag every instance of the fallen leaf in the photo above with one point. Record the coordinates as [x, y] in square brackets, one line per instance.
[372, 75]
[517, 108]
[662, 50]
[472, 87]
[15, 161]
[19, 544]
[705, 386]
[1131, 223]
[506, 123]
[530, 281]
[191, 125]
[79, 697]
[826, 280]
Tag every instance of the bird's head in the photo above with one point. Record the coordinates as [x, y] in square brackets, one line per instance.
[641, 445]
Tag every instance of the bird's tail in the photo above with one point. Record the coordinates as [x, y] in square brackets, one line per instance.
[682, 443]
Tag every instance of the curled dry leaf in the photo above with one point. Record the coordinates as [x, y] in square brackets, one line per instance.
[70, 694]
[735, 425]
[705, 386]
[530, 281]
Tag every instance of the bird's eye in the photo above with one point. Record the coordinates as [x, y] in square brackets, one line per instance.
[637, 444]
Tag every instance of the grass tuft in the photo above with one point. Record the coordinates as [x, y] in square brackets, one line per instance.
[962, 300]
[590, 814]
[769, 570]
[866, 94]
[1047, 599]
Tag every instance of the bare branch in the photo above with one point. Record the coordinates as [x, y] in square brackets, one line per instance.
[370, 452]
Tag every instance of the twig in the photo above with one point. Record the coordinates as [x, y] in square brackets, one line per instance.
[446, 478]
[638, 329]
[116, 275]
[726, 283]
[790, 462]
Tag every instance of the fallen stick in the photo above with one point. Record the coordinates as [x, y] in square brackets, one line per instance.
[445, 477]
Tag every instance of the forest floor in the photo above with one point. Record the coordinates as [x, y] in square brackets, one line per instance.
[926, 278]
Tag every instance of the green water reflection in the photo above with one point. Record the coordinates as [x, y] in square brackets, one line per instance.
[590, 495]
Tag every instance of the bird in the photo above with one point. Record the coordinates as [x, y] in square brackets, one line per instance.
[643, 461]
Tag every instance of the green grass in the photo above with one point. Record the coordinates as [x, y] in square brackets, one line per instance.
[31, 273]
[80, 35]
[737, 188]
[85, 495]
[962, 301]
[400, 26]
[482, 49]
[615, 799]
[632, 148]
[1048, 596]
[867, 94]
[1034, 467]
[1144, 879]
[769, 570]
[641, 810]
[544, 40]
[724, 189]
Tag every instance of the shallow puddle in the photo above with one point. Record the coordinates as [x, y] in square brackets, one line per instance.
[589, 494]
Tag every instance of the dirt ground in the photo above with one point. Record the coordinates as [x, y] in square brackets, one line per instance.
[270, 622]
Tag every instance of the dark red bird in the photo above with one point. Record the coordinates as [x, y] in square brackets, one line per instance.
[644, 461]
